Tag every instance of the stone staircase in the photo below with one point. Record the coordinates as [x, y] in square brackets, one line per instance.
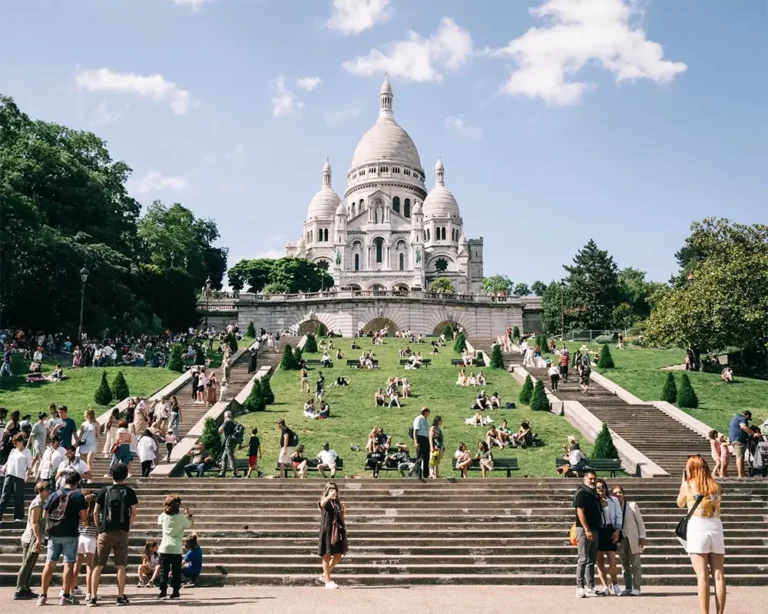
[403, 532]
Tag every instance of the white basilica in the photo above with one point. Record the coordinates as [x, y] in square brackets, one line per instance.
[389, 233]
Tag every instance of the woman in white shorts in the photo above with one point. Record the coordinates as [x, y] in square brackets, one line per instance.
[88, 438]
[86, 544]
[704, 541]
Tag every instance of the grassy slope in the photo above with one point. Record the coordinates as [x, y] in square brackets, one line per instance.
[641, 372]
[353, 414]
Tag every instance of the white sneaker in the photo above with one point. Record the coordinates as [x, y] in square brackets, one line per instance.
[331, 585]
[591, 592]
[616, 590]
[580, 593]
[635, 592]
[322, 579]
[626, 592]
[77, 591]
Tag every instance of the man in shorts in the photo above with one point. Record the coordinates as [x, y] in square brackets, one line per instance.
[63, 511]
[287, 447]
[585, 372]
[739, 434]
[115, 511]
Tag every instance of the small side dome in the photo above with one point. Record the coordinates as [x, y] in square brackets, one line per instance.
[301, 244]
[324, 203]
[386, 88]
[341, 209]
[417, 208]
[439, 166]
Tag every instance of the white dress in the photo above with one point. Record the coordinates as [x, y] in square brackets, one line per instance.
[89, 437]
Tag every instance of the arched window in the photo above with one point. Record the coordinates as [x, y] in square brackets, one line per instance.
[362, 205]
[379, 244]
[427, 234]
[352, 208]
[407, 208]
[443, 233]
[325, 235]
[396, 204]
[402, 262]
[357, 262]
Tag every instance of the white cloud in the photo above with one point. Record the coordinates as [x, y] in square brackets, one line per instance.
[308, 83]
[356, 16]
[418, 58]
[464, 128]
[284, 102]
[334, 117]
[580, 32]
[103, 116]
[154, 87]
[193, 4]
[153, 181]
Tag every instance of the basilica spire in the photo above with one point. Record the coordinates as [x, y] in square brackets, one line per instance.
[385, 99]
[327, 173]
[439, 172]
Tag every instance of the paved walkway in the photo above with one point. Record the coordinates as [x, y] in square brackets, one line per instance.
[428, 600]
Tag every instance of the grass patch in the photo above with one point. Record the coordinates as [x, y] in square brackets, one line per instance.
[641, 372]
[353, 414]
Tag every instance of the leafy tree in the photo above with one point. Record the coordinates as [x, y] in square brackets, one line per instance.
[497, 284]
[497, 358]
[538, 287]
[553, 308]
[606, 360]
[251, 332]
[623, 316]
[256, 400]
[460, 344]
[522, 289]
[539, 400]
[254, 273]
[669, 393]
[175, 360]
[516, 332]
[604, 447]
[211, 438]
[276, 288]
[448, 332]
[725, 302]
[593, 287]
[103, 394]
[300, 275]
[266, 390]
[310, 345]
[637, 292]
[686, 396]
[442, 284]
[288, 362]
[120, 387]
[527, 392]
[297, 354]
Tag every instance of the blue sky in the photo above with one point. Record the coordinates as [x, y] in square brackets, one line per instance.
[622, 123]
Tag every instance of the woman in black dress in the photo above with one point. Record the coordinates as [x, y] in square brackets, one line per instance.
[333, 532]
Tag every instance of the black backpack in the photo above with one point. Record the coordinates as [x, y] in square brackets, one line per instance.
[56, 514]
[238, 434]
[115, 506]
[293, 440]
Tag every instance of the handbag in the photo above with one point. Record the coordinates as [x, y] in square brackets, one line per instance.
[572, 535]
[681, 530]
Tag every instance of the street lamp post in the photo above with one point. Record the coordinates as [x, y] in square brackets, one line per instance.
[207, 299]
[83, 278]
[562, 311]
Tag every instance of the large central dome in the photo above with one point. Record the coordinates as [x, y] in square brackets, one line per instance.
[385, 140]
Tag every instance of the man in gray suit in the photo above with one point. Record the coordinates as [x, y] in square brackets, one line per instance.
[631, 545]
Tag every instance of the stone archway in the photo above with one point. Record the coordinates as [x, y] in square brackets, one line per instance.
[378, 324]
[438, 330]
[312, 327]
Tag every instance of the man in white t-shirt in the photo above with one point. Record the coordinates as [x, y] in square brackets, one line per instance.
[53, 456]
[16, 467]
[327, 460]
[72, 463]
[109, 354]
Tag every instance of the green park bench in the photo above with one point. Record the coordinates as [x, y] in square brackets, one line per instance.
[509, 464]
[316, 362]
[425, 362]
[312, 466]
[355, 364]
[458, 362]
[598, 465]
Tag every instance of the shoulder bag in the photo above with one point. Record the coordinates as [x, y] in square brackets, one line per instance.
[681, 530]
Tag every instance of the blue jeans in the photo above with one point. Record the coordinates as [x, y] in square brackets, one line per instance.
[62, 545]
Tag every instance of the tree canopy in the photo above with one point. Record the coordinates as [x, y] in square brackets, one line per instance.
[498, 284]
[442, 284]
[282, 275]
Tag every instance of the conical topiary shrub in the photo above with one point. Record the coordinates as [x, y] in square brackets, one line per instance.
[527, 392]
[604, 447]
[539, 400]
[231, 341]
[686, 396]
[288, 362]
[516, 333]
[448, 332]
[297, 354]
[310, 345]
[120, 387]
[255, 400]
[266, 391]
[461, 344]
[606, 360]
[251, 332]
[211, 439]
[103, 394]
[669, 393]
[497, 358]
[175, 361]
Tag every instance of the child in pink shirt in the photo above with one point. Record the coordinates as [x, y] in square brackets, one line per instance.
[714, 446]
[725, 454]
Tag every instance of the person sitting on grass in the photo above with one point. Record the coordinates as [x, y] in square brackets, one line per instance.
[192, 564]
[375, 459]
[482, 401]
[463, 459]
[378, 399]
[495, 400]
[471, 380]
[477, 419]
[342, 381]
[299, 462]
[481, 381]
[325, 410]
[309, 406]
[727, 375]
[393, 398]
[504, 433]
[484, 457]
[339, 355]
[406, 388]
[462, 379]
[523, 437]
[326, 360]
[493, 438]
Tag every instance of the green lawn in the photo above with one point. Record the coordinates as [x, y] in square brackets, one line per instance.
[353, 414]
[641, 372]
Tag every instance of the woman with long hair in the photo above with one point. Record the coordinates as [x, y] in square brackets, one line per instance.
[436, 446]
[333, 532]
[86, 545]
[171, 547]
[88, 438]
[705, 540]
[608, 538]
[110, 430]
